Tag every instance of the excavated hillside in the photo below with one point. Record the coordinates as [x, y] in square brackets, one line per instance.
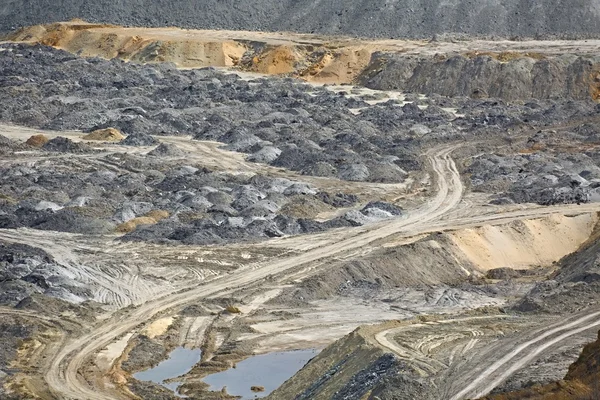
[505, 75]
[509, 70]
[369, 18]
[416, 217]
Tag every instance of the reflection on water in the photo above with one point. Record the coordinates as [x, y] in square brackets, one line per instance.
[180, 361]
[267, 370]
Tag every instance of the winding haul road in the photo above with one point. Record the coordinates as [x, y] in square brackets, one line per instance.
[64, 376]
[522, 354]
[472, 382]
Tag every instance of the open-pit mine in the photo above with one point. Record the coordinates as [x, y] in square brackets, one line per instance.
[306, 200]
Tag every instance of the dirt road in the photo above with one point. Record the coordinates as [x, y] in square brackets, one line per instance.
[468, 379]
[426, 365]
[443, 351]
[522, 354]
[439, 212]
[63, 377]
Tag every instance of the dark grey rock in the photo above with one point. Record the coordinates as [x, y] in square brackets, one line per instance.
[138, 139]
[403, 19]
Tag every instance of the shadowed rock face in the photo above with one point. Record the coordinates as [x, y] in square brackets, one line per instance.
[394, 18]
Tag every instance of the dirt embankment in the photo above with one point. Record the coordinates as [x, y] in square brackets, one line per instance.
[524, 244]
[505, 75]
[453, 257]
[312, 60]
[478, 69]
[581, 382]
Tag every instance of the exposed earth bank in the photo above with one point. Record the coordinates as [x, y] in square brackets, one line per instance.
[509, 76]
[509, 70]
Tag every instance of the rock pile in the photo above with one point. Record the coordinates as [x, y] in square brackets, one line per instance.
[26, 270]
[167, 201]
[540, 177]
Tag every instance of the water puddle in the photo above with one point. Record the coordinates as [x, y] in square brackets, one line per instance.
[267, 370]
[180, 361]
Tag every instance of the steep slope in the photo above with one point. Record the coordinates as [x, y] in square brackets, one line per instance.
[583, 265]
[452, 257]
[399, 18]
[578, 277]
[348, 369]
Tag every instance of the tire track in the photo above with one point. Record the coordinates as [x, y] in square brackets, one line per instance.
[509, 364]
[63, 377]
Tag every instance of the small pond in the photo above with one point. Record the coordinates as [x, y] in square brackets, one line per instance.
[267, 370]
[180, 361]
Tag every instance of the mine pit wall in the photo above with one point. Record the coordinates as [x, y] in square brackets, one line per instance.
[509, 76]
[89, 40]
[197, 49]
[506, 75]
